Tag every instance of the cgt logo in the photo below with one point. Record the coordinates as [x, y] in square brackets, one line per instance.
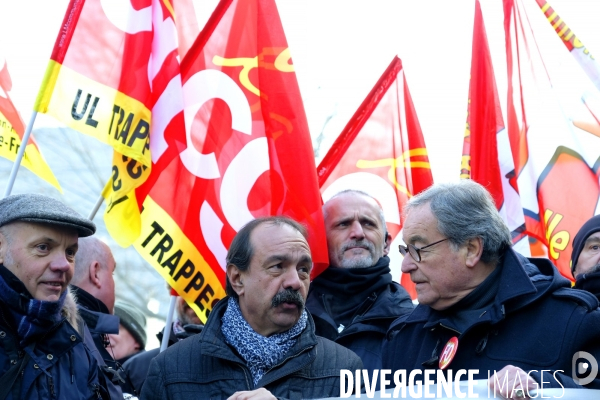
[584, 367]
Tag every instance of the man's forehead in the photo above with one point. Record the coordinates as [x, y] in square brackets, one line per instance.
[351, 203]
[593, 238]
[34, 227]
[269, 239]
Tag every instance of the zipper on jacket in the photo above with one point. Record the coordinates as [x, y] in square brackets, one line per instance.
[51, 386]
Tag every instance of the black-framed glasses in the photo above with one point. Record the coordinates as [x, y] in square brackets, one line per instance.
[414, 251]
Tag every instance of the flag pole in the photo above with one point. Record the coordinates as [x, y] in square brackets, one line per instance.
[20, 153]
[96, 207]
[167, 332]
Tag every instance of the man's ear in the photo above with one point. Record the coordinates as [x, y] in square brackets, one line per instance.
[235, 279]
[474, 248]
[95, 274]
[3, 247]
[387, 243]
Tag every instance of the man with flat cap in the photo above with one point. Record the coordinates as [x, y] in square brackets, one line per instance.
[42, 355]
[585, 258]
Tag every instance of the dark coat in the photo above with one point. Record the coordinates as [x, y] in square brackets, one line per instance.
[366, 333]
[97, 323]
[204, 366]
[536, 322]
[60, 366]
[136, 368]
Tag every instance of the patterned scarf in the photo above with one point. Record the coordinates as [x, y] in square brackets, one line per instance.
[260, 353]
[33, 317]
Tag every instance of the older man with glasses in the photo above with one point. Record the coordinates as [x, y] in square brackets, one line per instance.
[481, 305]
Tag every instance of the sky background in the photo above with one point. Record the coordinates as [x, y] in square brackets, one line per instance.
[339, 49]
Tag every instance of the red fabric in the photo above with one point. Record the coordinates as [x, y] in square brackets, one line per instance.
[484, 118]
[381, 151]
[249, 125]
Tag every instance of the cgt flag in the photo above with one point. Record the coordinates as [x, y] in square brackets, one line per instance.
[245, 153]
[381, 151]
[486, 151]
[554, 134]
[12, 129]
[114, 75]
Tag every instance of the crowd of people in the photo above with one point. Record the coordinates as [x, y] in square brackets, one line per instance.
[276, 334]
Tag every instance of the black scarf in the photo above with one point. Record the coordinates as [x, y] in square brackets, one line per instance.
[472, 305]
[343, 290]
[88, 301]
[589, 283]
[32, 317]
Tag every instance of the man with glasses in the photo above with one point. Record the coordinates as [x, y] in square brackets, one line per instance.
[354, 301]
[483, 306]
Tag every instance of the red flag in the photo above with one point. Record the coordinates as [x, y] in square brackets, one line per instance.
[486, 152]
[381, 151]
[554, 135]
[245, 153]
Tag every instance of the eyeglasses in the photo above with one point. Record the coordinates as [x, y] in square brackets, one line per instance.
[415, 252]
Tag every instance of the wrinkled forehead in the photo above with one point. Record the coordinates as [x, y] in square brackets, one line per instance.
[593, 238]
[24, 228]
[351, 203]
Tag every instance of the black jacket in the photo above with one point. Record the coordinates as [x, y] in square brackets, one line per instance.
[365, 334]
[97, 323]
[58, 366]
[204, 366]
[536, 322]
[136, 368]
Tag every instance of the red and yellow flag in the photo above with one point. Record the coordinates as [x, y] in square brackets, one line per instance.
[381, 151]
[554, 133]
[12, 130]
[114, 75]
[486, 151]
[245, 153]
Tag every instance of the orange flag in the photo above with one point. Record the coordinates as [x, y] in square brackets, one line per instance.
[486, 150]
[246, 152]
[554, 135]
[381, 151]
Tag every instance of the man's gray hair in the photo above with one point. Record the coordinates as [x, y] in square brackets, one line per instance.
[359, 193]
[89, 249]
[465, 210]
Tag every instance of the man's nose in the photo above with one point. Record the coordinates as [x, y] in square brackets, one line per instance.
[60, 263]
[408, 264]
[356, 231]
[292, 280]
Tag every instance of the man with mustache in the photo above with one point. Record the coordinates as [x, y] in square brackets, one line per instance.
[42, 353]
[585, 258]
[354, 301]
[259, 341]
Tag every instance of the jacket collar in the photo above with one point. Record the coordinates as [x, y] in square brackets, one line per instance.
[522, 281]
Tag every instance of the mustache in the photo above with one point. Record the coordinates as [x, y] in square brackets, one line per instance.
[288, 296]
[358, 243]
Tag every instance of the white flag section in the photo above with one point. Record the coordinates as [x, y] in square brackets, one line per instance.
[554, 131]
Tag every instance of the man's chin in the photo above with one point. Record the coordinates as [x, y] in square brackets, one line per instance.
[358, 262]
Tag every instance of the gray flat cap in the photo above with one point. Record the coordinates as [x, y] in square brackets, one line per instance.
[42, 209]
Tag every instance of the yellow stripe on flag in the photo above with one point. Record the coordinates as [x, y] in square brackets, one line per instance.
[32, 159]
[96, 110]
[164, 245]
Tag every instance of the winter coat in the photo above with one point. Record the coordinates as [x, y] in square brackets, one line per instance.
[136, 368]
[366, 333]
[204, 366]
[59, 367]
[536, 322]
